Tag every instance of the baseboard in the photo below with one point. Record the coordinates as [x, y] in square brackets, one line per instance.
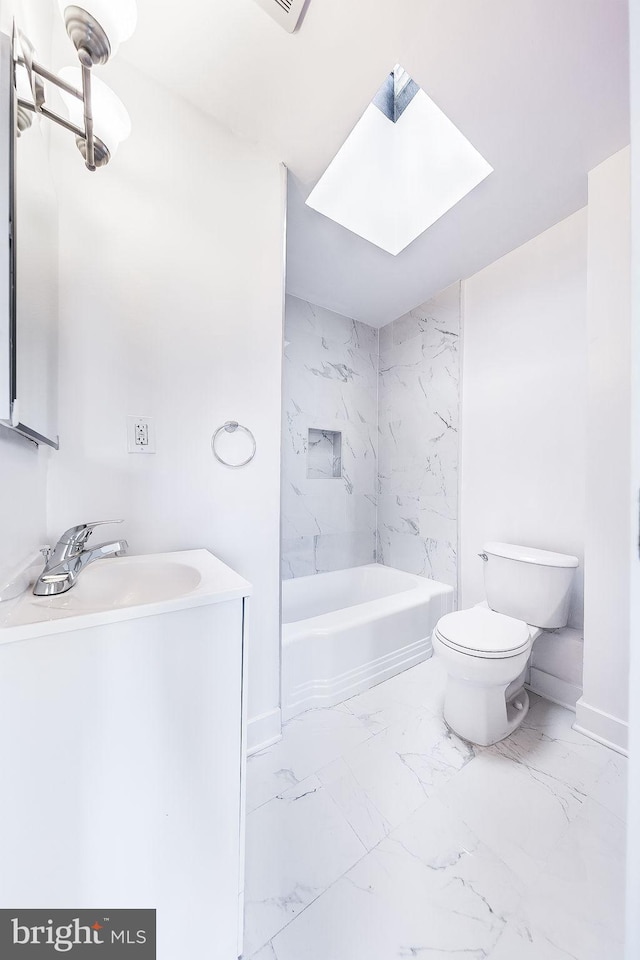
[264, 730]
[603, 727]
[553, 688]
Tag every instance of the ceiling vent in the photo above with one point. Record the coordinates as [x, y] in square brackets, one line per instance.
[285, 12]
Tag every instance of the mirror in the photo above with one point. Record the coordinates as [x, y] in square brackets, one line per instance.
[28, 345]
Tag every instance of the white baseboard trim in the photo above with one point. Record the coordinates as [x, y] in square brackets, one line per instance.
[553, 688]
[602, 727]
[264, 730]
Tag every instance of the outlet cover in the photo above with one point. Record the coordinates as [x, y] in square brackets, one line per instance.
[141, 435]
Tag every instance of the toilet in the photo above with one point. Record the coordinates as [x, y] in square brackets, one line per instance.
[485, 649]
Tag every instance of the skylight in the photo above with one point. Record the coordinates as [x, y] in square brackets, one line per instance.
[402, 167]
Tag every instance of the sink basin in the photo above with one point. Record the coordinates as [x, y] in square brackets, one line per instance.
[122, 587]
[127, 581]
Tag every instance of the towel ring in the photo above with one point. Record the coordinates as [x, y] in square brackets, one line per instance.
[230, 427]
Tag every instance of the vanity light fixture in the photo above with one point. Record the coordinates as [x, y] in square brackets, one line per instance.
[96, 34]
[112, 123]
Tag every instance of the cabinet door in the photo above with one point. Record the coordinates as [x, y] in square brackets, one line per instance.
[120, 748]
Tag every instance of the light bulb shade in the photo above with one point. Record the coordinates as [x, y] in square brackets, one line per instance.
[111, 121]
[117, 18]
[23, 87]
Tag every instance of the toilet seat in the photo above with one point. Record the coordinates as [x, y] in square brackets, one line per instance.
[480, 632]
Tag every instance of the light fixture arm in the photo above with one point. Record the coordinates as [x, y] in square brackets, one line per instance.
[94, 151]
[88, 117]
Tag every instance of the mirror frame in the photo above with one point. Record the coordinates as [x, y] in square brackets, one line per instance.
[9, 406]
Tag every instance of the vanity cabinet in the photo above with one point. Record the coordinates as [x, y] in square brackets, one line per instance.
[121, 751]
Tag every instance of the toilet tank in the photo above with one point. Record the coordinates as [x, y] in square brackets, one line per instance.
[528, 584]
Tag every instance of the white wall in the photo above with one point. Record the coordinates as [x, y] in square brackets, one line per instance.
[523, 403]
[633, 834]
[604, 705]
[171, 307]
[23, 478]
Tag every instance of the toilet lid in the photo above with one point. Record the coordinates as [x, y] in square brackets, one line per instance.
[483, 633]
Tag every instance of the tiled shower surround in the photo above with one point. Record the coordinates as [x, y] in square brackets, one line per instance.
[393, 397]
[330, 385]
[418, 411]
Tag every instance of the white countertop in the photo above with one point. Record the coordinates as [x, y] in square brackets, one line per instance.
[124, 588]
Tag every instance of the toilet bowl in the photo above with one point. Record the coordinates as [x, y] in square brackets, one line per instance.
[485, 655]
[485, 650]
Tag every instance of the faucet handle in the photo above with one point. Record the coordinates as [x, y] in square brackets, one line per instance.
[78, 536]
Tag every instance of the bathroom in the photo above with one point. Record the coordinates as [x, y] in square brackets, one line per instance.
[494, 348]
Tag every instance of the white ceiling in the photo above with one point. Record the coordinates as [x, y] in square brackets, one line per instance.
[540, 87]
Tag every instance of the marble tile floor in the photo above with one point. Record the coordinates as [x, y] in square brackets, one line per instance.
[374, 833]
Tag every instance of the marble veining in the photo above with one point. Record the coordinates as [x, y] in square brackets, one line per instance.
[418, 417]
[329, 513]
[393, 395]
[324, 455]
[374, 833]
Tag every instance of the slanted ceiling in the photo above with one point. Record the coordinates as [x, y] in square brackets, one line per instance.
[540, 87]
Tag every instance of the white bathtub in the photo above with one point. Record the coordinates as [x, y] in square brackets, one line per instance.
[345, 631]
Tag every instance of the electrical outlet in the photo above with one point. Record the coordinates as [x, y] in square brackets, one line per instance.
[141, 435]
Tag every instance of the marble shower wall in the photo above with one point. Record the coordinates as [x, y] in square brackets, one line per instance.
[418, 409]
[394, 396]
[330, 383]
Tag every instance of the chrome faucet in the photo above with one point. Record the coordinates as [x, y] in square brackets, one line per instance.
[69, 558]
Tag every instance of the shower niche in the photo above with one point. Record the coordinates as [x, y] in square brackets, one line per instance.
[324, 454]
